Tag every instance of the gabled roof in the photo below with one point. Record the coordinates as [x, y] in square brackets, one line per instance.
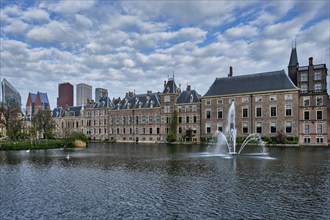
[33, 97]
[259, 82]
[73, 111]
[104, 102]
[170, 86]
[135, 101]
[190, 96]
[43, 97]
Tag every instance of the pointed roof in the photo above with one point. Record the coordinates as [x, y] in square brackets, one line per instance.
[170, 86]
[293, 57]
[251, 83]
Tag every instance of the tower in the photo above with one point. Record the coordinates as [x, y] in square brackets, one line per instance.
[84, 94]
[65, 95]
[293, 65]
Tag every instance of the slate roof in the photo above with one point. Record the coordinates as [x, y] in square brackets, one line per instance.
[104, 102]
[43, 98]
[138, 101]
[170, 86]
[69, 111]
[293, 57]
[259, 82]
[188, 97]
[33, 97]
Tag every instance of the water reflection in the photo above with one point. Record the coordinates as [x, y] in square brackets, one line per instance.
[163, 181]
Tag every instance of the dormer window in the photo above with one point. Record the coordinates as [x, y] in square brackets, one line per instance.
[140, 104]
[128, 105]
[191, 98]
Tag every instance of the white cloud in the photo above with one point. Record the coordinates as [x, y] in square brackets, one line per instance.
[242, 31]
[69, 7]
[35, 14]
[16, 27]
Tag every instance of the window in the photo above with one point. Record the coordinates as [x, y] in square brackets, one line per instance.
[273, 127]
[288, 127]
[124, 120]
[273, 98]
[208, 113]
[306, 128]
[319, 128]
[150, 119]
[319, 140]
[118, 131]
[179, 109]
[258, 99]
[208, 128]
[245, 112]
[307, 140]
[303, 77]
[168, 120]
[288, 97]
[194, 108]
[180, 130]
[306, 101]
[319, 115]
[143, 131]
[219, 126]
[167, 109]
[219, 101]
[317, 76]
[158, 130]
[306, 115]
[167, 98]
[136, 130]
[187, 119]
[131, 120]
[288, 110]
[319, 100]
[118, 120]
[245, 99]
[137, 120]
[258, 127]
[158, 119]
[304, 88]
[273, 111]
[180, 120]
[143, 119]
[195, 119]
[318, 87]
[207, 102]
[188, 108]
[258, 112]
[245, 128]
[124, 131]
[219, 113]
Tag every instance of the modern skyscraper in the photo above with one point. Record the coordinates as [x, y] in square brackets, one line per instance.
[84, 94]
[9, 94]
[65, 95]
[99, 93]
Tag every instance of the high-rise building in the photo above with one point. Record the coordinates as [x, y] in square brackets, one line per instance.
[84, 94]
[65, 95]
[99, 93]
[9, 94]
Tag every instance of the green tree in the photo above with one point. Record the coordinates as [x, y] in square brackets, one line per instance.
[10, 117]
[44, 123]
[171, 136]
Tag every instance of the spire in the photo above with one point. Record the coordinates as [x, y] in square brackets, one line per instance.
[293, 58]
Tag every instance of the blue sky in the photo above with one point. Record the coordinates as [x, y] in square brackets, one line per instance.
[135, 45]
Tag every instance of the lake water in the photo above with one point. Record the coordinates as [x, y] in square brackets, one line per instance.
[138, 181]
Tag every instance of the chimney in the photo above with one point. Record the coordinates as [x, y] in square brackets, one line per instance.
[188, 87]
[310, 61]
[230, 71]
[164, 83]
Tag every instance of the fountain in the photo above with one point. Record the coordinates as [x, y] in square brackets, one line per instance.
[226, 142]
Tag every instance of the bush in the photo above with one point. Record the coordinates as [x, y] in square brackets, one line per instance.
[70, 142]
[171, 137]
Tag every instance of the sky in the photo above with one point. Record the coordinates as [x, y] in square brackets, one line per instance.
[135, 45]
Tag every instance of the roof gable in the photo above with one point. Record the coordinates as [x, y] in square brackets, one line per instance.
[190, 96]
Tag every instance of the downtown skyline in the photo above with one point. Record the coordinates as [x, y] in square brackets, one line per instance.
[135, 45]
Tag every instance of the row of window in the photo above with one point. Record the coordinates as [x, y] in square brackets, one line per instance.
[123, 120]
[319, 128]
[188, 119]
[304, 76]
[245, 99]
[258, 112]
[188, 108]
[319, 140]
[137, 131]
[318, 101]
[304, 87]
[258, 127]
[319, 115]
